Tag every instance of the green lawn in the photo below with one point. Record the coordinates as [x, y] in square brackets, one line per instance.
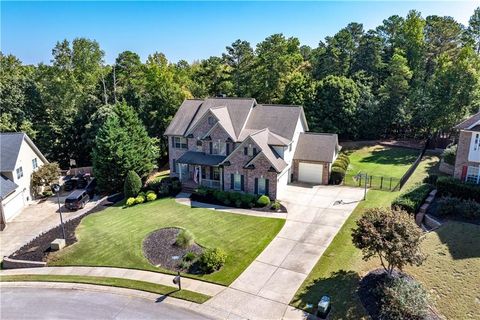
[379, 161]
[113, 282]
[451, 271]
[340, 268]
[114, 236]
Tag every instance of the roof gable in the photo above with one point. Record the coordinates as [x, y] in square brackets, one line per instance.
[469, 122]
[10, 144]
[316, 147]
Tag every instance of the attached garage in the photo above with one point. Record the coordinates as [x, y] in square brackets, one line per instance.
[314, 154]
[310, 172]
[12, 205]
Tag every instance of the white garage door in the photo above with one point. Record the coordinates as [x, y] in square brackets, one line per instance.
[310, 172]
[13, 206]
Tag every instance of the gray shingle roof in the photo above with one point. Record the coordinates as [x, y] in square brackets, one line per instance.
[279, 119]
[10, 143]
[240, 117]
[467, 123]
[7, 186]
[316, 147]
[192, 157]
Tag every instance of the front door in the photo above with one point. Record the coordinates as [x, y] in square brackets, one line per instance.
[183, 171]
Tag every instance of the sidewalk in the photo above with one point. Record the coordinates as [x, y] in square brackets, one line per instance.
[209, 289]
[184, 198]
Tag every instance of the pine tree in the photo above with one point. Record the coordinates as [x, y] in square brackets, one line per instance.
[122, 144]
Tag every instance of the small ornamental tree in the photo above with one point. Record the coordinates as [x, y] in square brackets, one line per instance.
[132, 184]
[391, 235]
[45, 175]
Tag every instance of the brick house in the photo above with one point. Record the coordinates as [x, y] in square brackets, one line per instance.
[239, 145]
[467, 161]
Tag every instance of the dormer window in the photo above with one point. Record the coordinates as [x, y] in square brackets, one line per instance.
[250, 151]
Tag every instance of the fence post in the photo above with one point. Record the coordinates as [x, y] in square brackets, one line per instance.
[390, 183]
[381, 182]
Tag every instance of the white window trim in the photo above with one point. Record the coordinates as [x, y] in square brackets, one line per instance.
[473, 174]
[19, 172]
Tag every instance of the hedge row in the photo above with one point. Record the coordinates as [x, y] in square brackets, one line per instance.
[412, 200]
[234, 199]
[449, 186]
[339, 169]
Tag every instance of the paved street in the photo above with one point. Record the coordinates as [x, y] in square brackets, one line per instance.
[265, 288]
[33, 220]
[49, 303]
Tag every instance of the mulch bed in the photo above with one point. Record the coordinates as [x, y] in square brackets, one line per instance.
[39, 248]
[369, 294]
[209, 200]
[160, 249]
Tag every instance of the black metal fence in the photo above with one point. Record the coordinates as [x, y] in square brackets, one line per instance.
[373, 182]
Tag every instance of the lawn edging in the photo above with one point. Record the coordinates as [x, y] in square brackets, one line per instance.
[112, 282]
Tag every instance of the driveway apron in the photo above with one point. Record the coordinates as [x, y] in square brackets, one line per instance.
[264, 289]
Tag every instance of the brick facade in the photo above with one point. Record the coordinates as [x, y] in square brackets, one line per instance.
[262, 166]
[461, 159]
[325, 173]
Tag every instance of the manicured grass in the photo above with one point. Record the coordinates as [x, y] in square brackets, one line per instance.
[113, 282]
[451, 271]
[381, 161]
[114, 237]
[341, 266]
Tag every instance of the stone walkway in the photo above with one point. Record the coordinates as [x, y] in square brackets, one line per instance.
[184, 198]
[207, 288]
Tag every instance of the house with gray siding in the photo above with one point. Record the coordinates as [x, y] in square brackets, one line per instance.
[236, 144]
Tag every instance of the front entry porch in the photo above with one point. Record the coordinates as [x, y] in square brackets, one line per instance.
[193, 176]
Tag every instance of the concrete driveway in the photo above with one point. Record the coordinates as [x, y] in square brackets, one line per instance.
[34, 219]
[264, 289]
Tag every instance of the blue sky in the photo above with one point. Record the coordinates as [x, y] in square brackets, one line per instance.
[190, 30]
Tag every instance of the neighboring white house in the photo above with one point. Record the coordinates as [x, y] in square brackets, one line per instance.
[19, 157]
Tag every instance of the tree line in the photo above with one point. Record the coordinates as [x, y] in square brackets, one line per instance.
[410, 77]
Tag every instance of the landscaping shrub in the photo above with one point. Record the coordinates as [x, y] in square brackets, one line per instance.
[132, 184]
[220, 196]
[263, 201]
[139, 199]
[169, 186]
[234, 197]
[184, 239]
[449, 154]
[247, 200]
[151, 196]
[276, 205]
[403, 299]
[201, 191]
[189, 256]
[342, 162]
[238, 203]
[154, 184]
[47, 193]
[130, 202]
[412, 200]
[431, 179]
[453, 187]
[451, 206]
[337, 174]
[212, 259]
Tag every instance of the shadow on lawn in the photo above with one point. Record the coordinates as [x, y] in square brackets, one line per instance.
[342, 287]
[462, 239]
[391, 156]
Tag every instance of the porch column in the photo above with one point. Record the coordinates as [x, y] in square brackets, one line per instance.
[221, 178]
[200, 175]
[180, 172]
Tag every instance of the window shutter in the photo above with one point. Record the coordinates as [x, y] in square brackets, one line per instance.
[242, 181]
[211, 147]
[254, 151]
[256, 185]
[174, 164]
[266, 187]
[173, 142]
[245, 151]
[228, 149]
[231, 181]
